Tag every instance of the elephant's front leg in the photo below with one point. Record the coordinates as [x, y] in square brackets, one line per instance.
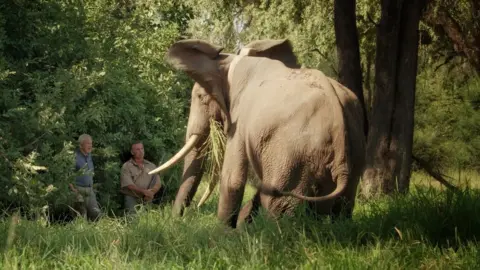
[232, 185]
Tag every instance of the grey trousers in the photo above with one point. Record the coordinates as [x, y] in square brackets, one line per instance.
[86, 203]
[131, 202]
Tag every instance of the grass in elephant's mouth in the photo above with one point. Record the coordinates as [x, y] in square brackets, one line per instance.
[214, 149]
[427, 229]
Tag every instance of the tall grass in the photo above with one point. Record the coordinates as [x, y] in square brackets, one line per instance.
[427, 229]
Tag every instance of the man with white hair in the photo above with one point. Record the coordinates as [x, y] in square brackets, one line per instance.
[86, 201]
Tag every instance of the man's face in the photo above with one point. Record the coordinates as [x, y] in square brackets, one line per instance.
[86, 145]
[137, 151]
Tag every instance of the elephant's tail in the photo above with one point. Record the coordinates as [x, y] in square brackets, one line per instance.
[274, 192]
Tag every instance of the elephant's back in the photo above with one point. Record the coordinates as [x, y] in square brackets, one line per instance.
[287, 102]
[288, 121]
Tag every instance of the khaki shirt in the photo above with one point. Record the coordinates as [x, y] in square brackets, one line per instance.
[132, 174]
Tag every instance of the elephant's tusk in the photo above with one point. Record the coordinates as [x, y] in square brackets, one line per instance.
[192, 141]
[209, 190]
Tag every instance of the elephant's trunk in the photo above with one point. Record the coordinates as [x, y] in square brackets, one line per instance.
[192, 174]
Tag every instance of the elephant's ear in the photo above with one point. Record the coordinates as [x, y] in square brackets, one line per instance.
[197, 59]
[278, 49]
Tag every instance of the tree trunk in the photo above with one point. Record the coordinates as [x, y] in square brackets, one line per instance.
[389, 144]
[405, 91]
[368, 83]
[348, 51]
[380, 162]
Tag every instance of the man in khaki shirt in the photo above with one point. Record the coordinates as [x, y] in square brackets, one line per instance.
[136, 184]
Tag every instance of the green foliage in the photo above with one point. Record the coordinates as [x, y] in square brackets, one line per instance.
[427, 229]
[464, 29]
[447, 112]
[447, 122]
[309, 26]
[73, 67]
[94, 67]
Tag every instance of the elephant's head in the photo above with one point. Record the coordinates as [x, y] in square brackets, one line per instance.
[208, 66]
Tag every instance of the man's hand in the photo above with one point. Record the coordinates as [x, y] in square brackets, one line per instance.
[72, 188]
[149, 199]
[148, 195]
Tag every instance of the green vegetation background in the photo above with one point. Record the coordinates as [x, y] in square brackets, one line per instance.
[97, 67]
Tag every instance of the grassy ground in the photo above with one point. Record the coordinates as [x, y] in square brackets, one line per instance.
[427, 229]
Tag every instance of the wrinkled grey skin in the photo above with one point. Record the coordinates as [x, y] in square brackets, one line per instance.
[300, 131]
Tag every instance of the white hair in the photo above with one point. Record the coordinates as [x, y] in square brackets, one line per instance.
[84, 137]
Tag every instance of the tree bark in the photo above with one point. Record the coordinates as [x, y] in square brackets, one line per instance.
[380, 162]
[348, 50]
[389, 145]
[368, 83]
[405, 91]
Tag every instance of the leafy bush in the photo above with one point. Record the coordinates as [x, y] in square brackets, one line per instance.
[447, 119]
[97, 67]
[92, 67]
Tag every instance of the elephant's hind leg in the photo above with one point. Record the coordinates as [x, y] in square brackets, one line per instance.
[292, 177]
[249, 211]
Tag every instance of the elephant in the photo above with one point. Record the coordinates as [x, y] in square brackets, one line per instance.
[274, 49]
[300, 131]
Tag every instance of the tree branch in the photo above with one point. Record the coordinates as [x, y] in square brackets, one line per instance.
[326, 58]
[436, 175]
[447, 60]
[440, 16]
